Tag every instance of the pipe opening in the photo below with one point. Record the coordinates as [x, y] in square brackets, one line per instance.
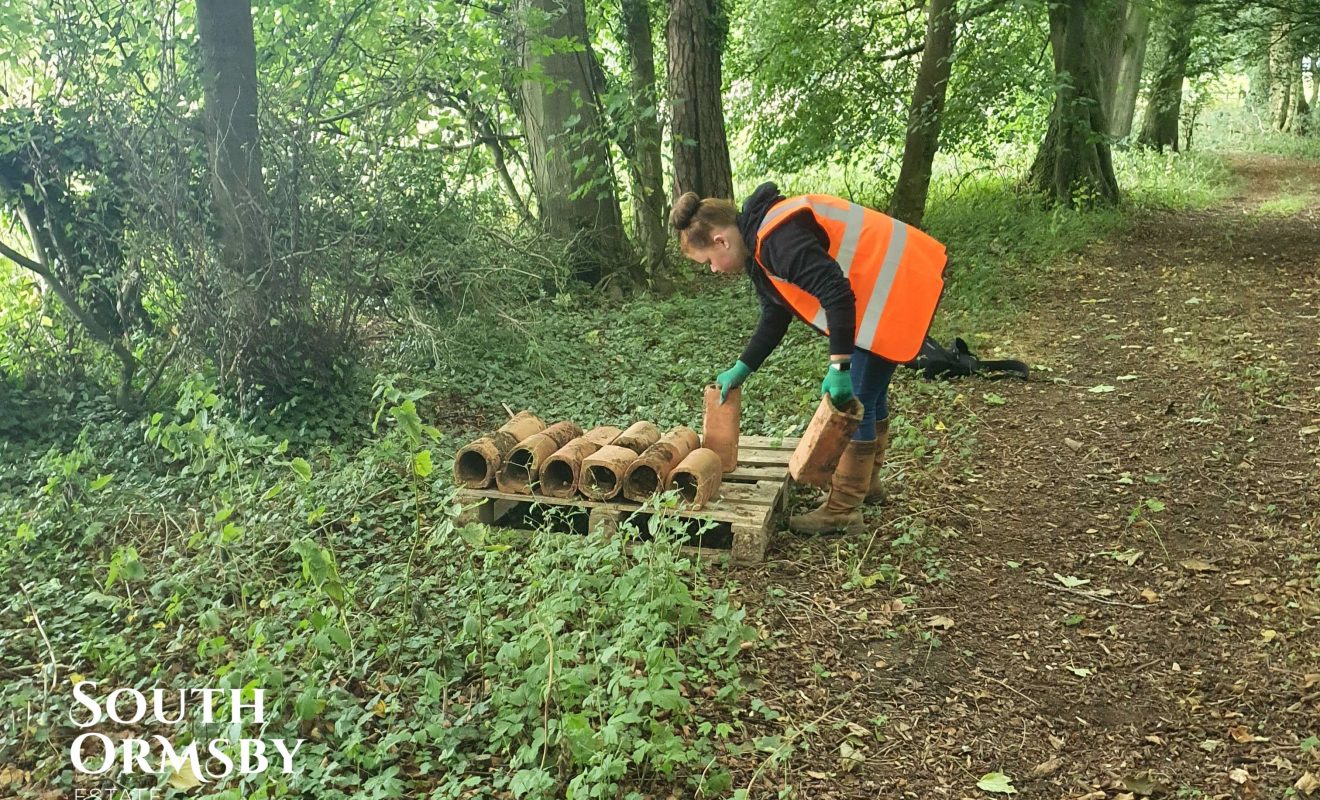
[518, 469]
[472, 467]
[601, 479]
[643, 481]
[687, 484]
[557, 476]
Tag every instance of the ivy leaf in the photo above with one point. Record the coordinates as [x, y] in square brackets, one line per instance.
[422, 463]
[300, 466]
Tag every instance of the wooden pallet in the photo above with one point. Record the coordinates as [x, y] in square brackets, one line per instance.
[743, 514]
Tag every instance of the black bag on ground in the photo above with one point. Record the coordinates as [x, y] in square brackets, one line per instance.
[935, 362]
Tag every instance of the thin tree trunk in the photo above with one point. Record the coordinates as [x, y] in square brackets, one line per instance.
[696, 34]
[570, 159]
[1074, 165]
[1159, 127]
[923, 133]
[646, 170]
[1130, 58]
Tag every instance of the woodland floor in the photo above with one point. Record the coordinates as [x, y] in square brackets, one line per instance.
[1187, 495]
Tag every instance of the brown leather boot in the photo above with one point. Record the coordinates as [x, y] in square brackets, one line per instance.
[842, 509]
[876, 494]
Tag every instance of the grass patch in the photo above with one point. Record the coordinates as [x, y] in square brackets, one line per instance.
[1286, 205]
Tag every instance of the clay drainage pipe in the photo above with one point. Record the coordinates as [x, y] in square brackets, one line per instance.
[650, 472]
[721, 425]
[476, 464]
[523, 466]
[697, 478]
[603, 471]
[638, 436]
[562, 470]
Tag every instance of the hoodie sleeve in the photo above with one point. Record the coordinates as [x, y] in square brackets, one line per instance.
[770, 330]
[796, 251]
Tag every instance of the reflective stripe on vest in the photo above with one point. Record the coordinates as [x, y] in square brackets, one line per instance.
[896, 273]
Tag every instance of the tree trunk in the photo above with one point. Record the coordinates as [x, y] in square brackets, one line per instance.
[571, 170]
[647, 173]
[1301, 114]
[1315, 81]
[1281, 72]
[1159, 127]
[1074, 164]
[264, 337]
[696, 34]
[229, 79]
[923, 133]
[1129, 58]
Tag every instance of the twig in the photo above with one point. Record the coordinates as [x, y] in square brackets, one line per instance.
[50, 651]
[1088, 595]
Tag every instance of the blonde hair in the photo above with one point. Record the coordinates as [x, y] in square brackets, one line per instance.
[694, 218]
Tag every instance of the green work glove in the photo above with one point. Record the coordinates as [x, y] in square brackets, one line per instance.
[731, 379]
[837, 384]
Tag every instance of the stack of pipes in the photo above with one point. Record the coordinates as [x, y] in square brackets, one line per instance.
[525, 456]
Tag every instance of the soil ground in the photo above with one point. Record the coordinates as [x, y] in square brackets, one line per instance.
[1125, 596]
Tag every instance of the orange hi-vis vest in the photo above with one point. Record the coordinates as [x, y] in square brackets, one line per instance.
[896, 272]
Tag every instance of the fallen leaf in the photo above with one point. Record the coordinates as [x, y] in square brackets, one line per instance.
[12, 776]
[1048, 768]
[1101, 389]
[1198, 565]
[1072, 443]
[1211, 745]
[1307, 784]
[1127, 377]
[1149, 595]
[1080, 672]
[940, 621]
[1269, 634]
[996, 782]
[850, 757]
[1241, 734]
[1144, 785]
[185, 778]
[1072, 582]
[1239, 775]
[820, 776]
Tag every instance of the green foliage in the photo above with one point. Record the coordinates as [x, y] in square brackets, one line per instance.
[416, 655]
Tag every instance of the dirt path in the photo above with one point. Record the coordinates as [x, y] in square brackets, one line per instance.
[1130, 597]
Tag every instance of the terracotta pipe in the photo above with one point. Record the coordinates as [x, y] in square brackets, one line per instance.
[697, 477]
[522, 467]
[562, 471]
[603, 471]
[817, 454]
[475, 464]
[638, 436]
[720, 425]
[650, 472]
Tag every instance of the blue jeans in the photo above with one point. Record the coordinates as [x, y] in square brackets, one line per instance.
[870, 382]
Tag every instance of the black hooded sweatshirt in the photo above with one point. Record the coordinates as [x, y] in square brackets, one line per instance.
[798, 252]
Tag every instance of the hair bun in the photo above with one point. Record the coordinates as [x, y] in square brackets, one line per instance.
[684, 210]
